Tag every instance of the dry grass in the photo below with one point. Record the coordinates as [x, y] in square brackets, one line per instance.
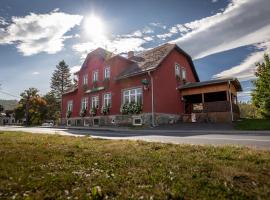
[60, 167]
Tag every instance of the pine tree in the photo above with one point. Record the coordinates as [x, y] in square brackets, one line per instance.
[261, 94]
[61, 79]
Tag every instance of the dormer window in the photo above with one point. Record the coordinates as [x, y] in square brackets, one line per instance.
[107, 72]
[95, 76]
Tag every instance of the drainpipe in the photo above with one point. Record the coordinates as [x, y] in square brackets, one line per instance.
[230, 99]
[152, 97]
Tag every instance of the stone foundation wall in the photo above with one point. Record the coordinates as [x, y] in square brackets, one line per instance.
[211, 117]
[122, 120]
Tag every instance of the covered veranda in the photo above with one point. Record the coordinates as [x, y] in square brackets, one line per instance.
[211, 101]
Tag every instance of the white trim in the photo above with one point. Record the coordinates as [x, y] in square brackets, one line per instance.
[104, 72]
[93, 76]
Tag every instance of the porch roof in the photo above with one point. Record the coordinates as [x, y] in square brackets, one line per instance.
[234, 81]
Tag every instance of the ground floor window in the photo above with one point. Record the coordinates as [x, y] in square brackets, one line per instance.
[84, 103]
[107, 100]
[132, 95]
[94, 102]
[69, 106]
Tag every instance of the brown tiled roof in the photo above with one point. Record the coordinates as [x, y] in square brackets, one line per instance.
[234, 81]
[150, 60]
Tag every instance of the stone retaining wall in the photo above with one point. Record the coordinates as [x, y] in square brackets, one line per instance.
[122, 120]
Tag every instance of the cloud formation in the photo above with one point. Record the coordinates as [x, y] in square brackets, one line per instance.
[37, 33]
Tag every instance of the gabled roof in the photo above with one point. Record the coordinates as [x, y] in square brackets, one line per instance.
[151, 59]
[234, 81]
[73, 88]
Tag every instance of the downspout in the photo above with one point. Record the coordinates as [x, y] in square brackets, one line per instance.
[230, 100]
[152, 98]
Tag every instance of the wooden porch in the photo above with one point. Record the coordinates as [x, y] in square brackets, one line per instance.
[214, 101]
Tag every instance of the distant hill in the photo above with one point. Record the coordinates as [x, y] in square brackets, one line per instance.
[8, 104]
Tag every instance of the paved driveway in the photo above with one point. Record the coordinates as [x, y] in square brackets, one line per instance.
[257, 139]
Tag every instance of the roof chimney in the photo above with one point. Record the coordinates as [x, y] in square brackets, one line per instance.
[130, 54]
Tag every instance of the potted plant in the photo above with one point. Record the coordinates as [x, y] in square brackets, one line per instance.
[83, 112]
[85, 87]
[93, 111]
[124, 108]
[145, 83]
[68, 114]
[105, 110]
[94, 84]
[177, 77]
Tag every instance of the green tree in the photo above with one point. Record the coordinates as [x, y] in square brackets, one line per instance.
[247, 110]
[261, 94]
[61, 79]
[32, 107]
[53, 106]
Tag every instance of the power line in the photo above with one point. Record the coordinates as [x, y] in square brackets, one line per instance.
[9, 94]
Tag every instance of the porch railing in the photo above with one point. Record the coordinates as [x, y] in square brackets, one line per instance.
[218, 106]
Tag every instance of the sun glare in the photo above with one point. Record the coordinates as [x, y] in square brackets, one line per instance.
[94, 27]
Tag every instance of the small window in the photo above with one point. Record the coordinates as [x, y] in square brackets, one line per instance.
[94, 102]
[137, 121]
[85, 79]
[107, 72]
[69, 105]
[184, 74]
[177, 70]
[84, 103]
[107, 100]
[95, 76]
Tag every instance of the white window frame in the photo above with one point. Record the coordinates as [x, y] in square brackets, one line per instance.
[129, 93]
[85, 79]
[84, 103]
[107, 72]
[70, 105]
[95, 76]
[177, 69]
[184, 73]
[107, 99]
[95, 101]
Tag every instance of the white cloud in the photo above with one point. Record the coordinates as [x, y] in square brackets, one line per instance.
[3, 21]
[246, 69]
[159, 25]
[241, 23]
[75, 69]
[117, 45]
[37, 33]
[35, 73]
[164, 36]
[214, 1]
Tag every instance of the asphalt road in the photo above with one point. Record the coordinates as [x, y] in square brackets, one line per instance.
[256, 139]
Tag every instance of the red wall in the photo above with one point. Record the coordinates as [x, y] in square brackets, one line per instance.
[167, 98]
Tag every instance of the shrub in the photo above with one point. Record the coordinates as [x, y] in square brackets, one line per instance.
[83, 112]
[131, 108]
[93, 111]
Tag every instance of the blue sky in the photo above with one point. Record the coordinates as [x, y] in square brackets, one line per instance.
[224, 38]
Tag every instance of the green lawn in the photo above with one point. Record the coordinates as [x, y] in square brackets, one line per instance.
[253, 124]
[60, 167]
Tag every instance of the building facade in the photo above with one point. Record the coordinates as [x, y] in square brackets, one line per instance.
[142, 89]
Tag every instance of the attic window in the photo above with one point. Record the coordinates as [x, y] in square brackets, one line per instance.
[177, 70]
[184, 73]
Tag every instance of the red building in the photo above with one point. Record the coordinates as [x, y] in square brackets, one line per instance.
[141, 89]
